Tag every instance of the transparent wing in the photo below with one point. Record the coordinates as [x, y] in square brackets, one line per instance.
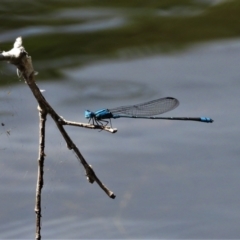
[150, 108]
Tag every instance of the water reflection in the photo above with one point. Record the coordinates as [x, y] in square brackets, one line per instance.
[92, 26]
[172, 180]
[102, 89]
[84, 32]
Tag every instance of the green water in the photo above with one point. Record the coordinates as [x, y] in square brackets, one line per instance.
[54, 33]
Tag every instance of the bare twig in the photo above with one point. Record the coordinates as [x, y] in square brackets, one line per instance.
[20, 58]
[40, 182]
[87, 125]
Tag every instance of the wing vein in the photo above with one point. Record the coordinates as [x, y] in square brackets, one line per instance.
[151, 108]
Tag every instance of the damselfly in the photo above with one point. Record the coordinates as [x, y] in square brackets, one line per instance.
[143, 110]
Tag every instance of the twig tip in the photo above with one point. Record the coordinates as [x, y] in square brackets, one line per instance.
[112, 195]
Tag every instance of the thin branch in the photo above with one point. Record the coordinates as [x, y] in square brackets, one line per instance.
[40, 182]
[59, 122]
[20, 58]
[87, 125]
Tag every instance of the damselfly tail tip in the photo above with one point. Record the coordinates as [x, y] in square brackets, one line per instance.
[206, 119]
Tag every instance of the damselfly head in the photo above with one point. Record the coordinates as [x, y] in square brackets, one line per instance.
[89, 114]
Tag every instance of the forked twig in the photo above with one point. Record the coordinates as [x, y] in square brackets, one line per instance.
[20, 58]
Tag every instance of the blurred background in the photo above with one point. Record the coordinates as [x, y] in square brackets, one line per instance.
[172, 179]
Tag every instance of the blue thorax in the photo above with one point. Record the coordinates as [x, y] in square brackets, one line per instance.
[98, 115]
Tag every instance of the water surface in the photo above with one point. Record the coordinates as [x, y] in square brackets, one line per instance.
[172, 179]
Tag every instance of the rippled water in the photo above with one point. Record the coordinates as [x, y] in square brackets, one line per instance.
[172, 179]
